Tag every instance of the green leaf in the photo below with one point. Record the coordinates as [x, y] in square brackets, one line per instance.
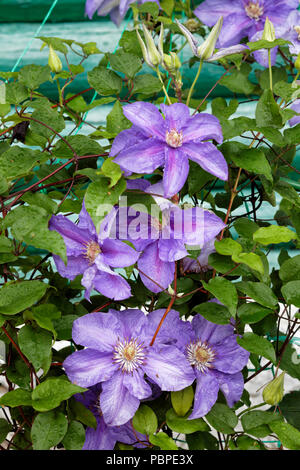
[75, 436]
[82, 414]
[227, 246]
[149, 7]
[252, 312]
[32, 76]
[224, 291]
[163, 441]
[287, 434]
[182, 400]
[289, 407]
[16, 397]
[257, 345]
[145, 420]
[250, 259]
[99, 198]
[265, 44]
[125, 62]
[292, 135]
[213, 312]
[44, 314]
[291, 293]
[50, 393]
[104, 81]
[274, 234]
[5, 428]
[287, 192]
[30, 224]
[48, 430]
[290, 269]
[245, 227]
[16, 93]
[40, 200]
[50, 117]
[167, 6]
[290, 361]
[116, 121]
[17, 296]
[111, 170]
[19, 161]
[267, 111]
[184, 425]
[256, 422]
[238, 81]
[201, 441]
[222, 418]
[259, 292]
[82, 145]
[222, 110]
[147, 85]
[36, 344]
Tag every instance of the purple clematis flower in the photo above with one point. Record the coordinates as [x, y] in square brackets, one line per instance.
[105, 437]
[118, 355]
[292, 31]
[162, 240]
[169, 143]
[117, 9]
[93, 256]
[190, 265]
[243, 18]
[295, 107]
[215, 358]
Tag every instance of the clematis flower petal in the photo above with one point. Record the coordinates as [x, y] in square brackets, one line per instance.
[143, 157]
[176, 171]
[236, 49]
[76, 265]
[168, 367]
[89, 367]
[117, 404]
[147, 118]
[136, 385]
[211, 332]
[74, 237]
[176, 115]
[171, 250]
[208, 157]
[203, 126]
[232, 386]
[88, 280]
[210, 11]
[153, 268]
[86, 223]
[231, 357]
[101, 438]
[126, 139]
[97, 331]
[112, 286]
[118, 254]
[206, 394]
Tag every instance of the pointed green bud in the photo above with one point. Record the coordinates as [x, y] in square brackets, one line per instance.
[171, 62]
[182, 400]
[297, 63]
[54, 61]
[161, 41]
[273, 392]
[154, 56]
[269, 31]
[206, 50]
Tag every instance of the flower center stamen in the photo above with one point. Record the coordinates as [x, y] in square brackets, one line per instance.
[129, 355]
[254, 11]
[174, 138]
[297, 29]
[92, 250]
[200, 355]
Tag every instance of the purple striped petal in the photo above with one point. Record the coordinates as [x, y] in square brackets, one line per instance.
[136, 385]
[89, 367]
[156, 270]
[147, 118]
[171, 250]
[206, 394]
[117, 404]
[143, 157]
[167, 366]
[176, 115]
[97, 331]
[176, 171]
[118, 254]
[126, 139]
[75, 265]
[112, 286]
[208, 157]
[74, 237]
[203, 127]
[232, 386]
[231, 357]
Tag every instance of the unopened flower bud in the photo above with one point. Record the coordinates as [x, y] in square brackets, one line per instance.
[297, 63]
[172, 62]
[54, 61]
[273, 392]
[269, 31]
[206, 50]
[150, 53]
